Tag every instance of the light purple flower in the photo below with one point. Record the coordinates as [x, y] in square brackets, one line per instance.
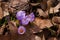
[30, 17]
[24, 21]
[21, 30]
[20, 15]
[27, 19]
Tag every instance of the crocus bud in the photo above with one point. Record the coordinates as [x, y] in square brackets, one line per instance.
[21, 30]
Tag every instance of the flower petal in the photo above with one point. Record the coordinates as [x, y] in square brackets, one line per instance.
[20, 15]
[24, 21]
[30, 17]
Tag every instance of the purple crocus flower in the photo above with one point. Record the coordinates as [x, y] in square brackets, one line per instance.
[27, 19]
[24, 21]
[20, 15]
[31, 17]
[21, 30]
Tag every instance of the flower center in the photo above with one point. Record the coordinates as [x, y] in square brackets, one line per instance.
[21, 30]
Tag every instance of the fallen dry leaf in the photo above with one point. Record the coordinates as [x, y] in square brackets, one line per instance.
[2, 29]
[56, 20]
[52, 38]
[42, 13]
[42, 23]
[12, 27]
[1, 13]
[55, 9]
[37, 38]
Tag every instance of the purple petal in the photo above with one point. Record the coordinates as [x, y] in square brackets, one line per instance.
[30, 17]
[24, 21]
[20, 15]
[21, 30]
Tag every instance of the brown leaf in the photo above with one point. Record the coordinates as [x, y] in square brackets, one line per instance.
[52, 38]
[42, 13]
[12, 26]
[1, 13]
[43, 37]
[2, 29]
[34, 4]
[56, 20]
[42, 23]
[37, 38]
[55, 9]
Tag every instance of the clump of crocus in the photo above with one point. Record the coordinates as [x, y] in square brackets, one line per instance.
[25, 19]
[21, 30]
